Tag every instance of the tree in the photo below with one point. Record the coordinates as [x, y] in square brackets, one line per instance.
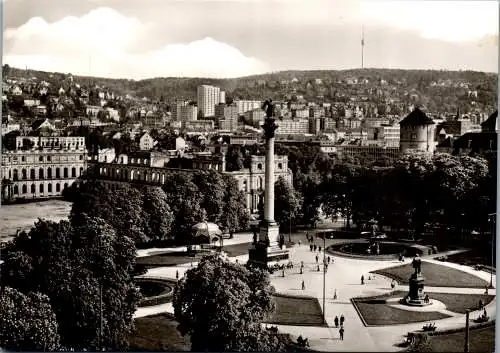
[27, 322]
[77, 266]
[234, 159]
[157, 213]
[307, 186]
[221, 305]
[120, 207]
[235, 215]
[287, 203]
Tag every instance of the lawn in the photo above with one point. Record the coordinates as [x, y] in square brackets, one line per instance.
[376, 313]
[297, 311]
[481, 340]
[158, 333]
[459, 303]
[435, 276]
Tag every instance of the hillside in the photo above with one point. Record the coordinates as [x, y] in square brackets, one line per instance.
[439, 90]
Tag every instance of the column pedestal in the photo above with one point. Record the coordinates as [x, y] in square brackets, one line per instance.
[267, 248]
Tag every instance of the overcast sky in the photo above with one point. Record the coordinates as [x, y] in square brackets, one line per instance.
[230, 38]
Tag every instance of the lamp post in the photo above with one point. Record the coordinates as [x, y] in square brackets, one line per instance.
[290, 225]
[324, 278]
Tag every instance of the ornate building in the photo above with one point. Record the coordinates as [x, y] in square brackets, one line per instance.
[43, 169]
[142, 171]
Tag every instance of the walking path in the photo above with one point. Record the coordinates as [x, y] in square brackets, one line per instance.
[344, 276]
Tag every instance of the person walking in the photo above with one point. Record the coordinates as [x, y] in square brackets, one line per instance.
[303, 285]
[319, 248]
[336, 321]
[311, 247]
[300, 243]
[335, 294]
[328, 259]
[315, 247]
[362, 279]
[341, 332]
[317, 258]
[342, 319]
[176, 274]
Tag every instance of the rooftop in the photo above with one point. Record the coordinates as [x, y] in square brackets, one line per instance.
[416, 118]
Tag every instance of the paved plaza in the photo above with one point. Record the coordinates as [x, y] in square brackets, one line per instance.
[344, 276]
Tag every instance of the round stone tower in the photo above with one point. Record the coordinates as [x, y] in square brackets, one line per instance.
[417, 133]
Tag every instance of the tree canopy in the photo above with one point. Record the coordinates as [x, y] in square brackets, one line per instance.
[221, 305]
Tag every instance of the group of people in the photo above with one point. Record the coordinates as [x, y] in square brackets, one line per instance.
[340, 321]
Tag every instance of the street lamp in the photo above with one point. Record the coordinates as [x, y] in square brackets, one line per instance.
[290, 225]
[324, 277]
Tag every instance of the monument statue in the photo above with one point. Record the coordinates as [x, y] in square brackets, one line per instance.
[417, 265]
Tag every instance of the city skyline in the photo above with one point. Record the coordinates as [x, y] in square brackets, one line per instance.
[234, 38]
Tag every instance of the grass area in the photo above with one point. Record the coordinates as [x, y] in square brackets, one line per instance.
[153, 288]
[473, 257]
[297, 311]
[158, 333]
[376, 313]
[459, 303]
[481, 340]
[168, 259]
[435, 276]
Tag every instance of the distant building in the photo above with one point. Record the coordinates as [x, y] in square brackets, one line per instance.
[292, 126]
[187, 112]
[208, 98]
[227, 116]
[146, 142]
[490, 124]
[417, 133]
[247, 105]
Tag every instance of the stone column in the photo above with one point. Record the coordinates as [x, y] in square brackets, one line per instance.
[269, 180]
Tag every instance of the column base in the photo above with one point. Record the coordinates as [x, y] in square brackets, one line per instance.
[267, 248]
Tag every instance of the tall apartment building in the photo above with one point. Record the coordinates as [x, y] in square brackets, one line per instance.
[247, 105]
[208, 98]
[227, 116]
[188, 113]
[292, 126]
[50, 165]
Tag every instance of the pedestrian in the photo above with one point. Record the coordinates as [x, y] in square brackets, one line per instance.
[486, 290]
[299, 242]
[301, 270]
[326, 267]
[328, 258]
[362, 279]
[310, 247]
[303, 285]
[317, 258]
[336, 321]
[341, 331]
[335, 294]
[318, 268]
[176, 274]
[480, 304]
[342, 319]
[302, 264]
[315, 247]
[319, 248]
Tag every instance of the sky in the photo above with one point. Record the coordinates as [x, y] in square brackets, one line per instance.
[138, 39]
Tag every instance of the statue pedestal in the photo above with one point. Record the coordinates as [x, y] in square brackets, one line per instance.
[416, 297]
[267, 249]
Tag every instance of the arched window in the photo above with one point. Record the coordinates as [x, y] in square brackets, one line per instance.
[33, 189]
[65, 172]
[58, 173]
[24, 189]
[40, 173]
[49, 173]
[16, 190]
[58, 187]
[259, 166]
[25, 174]
[32, 174]
[73, 172]
[280, 166]
[16, 176]
[41, 188]
[245, 186]
[49, 187]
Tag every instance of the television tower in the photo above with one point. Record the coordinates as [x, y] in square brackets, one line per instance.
[362, 46]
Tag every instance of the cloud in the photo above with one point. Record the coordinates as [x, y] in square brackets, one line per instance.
[452, 21]
[99, 44]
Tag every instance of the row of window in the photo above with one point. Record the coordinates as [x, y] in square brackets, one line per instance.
[41, 173]
[40, 158]
[41, 188]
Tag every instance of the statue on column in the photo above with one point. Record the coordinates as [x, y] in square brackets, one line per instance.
[269, 125]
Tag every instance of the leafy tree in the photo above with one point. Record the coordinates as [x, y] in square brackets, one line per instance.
[287, 203]
[307, 186]
[157, 213]
[121, 207]
[84, 270]
[221, 305]
[234, 159]
[27, 322]
[235, 216]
